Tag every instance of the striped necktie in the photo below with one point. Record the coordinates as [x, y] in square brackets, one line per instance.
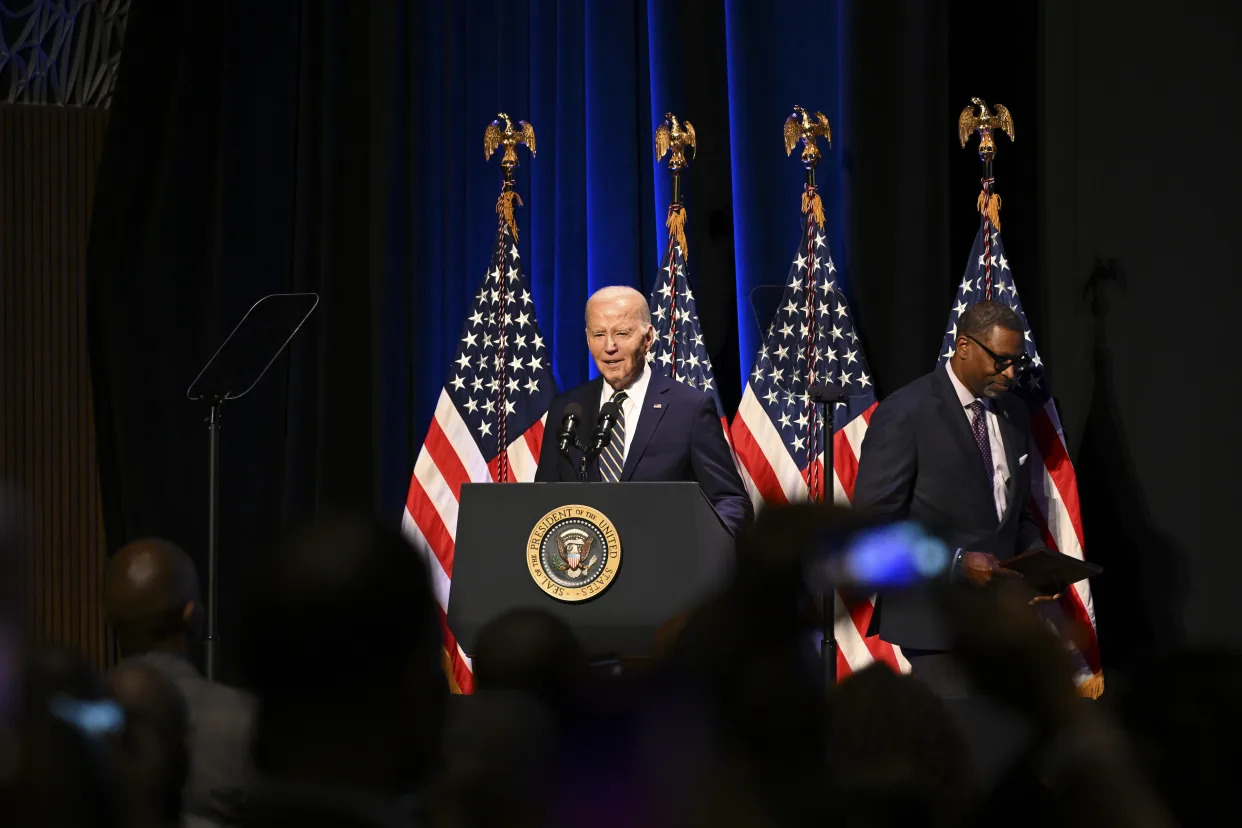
[612, 461]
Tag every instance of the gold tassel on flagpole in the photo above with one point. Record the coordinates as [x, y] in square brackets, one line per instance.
[1093, 687]
[504, 209]
[813, 206]
[676, 224]
[989, 207]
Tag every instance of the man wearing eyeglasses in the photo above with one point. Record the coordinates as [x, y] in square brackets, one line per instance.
[950, 449]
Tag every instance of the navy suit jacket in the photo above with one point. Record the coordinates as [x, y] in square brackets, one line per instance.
[678, 437]
[919, 460]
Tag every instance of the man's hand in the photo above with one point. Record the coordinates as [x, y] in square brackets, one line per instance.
[979, 567]
[1043, 599]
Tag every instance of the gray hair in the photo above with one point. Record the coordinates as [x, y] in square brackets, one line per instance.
[621, 293]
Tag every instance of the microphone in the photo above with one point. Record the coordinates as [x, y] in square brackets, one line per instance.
[603, 427]
[568, 435]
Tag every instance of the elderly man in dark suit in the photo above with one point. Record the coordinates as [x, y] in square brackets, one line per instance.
[151, 597]
[950, 449]
[666, 430]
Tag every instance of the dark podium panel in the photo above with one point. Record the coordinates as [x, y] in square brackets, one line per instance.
[674, 552]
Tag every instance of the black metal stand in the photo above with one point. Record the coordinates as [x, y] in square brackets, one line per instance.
[827, 396]
[213, 524]
[240, 361]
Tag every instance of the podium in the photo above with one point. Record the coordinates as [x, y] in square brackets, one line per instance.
[673, 553]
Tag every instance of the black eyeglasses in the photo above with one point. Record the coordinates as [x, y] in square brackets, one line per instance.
[1020, 362]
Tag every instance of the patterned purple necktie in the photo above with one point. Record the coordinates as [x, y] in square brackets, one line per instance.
[979, 425]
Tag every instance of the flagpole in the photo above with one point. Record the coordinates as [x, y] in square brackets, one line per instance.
[827, 395]
[674, 136]
[802, 126]
[498, 133]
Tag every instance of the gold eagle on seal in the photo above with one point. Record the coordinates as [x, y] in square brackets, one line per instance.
[573, 547]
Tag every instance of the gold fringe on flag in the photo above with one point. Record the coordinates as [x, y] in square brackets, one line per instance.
[1093, 687]
[504, 209]
[446, 664]
[676, 224]
[989, 207]
[812, 206]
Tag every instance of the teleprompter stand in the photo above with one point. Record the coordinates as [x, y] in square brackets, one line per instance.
[230, 374]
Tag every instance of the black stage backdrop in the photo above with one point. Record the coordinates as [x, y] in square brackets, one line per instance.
[238, 164]
[265, 147]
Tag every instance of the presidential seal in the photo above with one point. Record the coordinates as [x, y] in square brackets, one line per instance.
[573, 553]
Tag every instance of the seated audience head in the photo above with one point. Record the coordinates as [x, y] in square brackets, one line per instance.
[530, 651]
[342, 645]
[155, 759]
[896, 755]
[497, 759]
[619, 333]
[990, 349]
[151, 598]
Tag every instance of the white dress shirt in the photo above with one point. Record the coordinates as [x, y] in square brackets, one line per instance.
[632, 407]
[1000, 465]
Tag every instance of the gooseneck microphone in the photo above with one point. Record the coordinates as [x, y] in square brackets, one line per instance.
[608, 413]
[568, 435]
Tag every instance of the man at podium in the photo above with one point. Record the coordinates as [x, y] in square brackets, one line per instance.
[654, 428]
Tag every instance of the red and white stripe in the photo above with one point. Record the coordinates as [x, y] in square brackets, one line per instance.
[450, 457]
[1054, 494]
[772, 476]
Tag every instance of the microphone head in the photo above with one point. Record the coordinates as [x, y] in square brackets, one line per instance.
[603, 425]
[568, 435]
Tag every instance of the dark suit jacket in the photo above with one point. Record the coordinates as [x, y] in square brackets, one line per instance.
[919, 460]
[678, 437]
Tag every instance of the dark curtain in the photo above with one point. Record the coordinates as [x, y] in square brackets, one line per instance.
[336, 147]
[238, 165]
[595, 79]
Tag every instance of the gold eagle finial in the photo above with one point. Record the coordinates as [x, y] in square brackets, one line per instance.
[495, 136]
[984, 122]
[802, 126]
[670, 135]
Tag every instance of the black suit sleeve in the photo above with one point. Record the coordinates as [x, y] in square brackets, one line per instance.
[888, 463]
[549, 470]
[714, 469]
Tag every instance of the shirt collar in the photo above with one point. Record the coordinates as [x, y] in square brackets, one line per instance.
[636, 389]
[963, 393]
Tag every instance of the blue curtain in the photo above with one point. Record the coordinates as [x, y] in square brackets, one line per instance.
[595, 79]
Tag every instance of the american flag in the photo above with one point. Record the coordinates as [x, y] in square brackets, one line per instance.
[497, 396]
[778, 432]
[678, 350]
[1054, 485]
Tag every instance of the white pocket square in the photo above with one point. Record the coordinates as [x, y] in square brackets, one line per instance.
[1022, 460]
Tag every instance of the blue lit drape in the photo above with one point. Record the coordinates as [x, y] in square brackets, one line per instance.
[595, 79]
